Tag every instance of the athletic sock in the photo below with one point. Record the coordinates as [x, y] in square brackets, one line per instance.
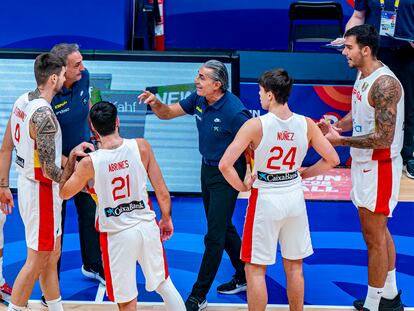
[12, 307]
[55, 305]
[390, 290]
[373, 298]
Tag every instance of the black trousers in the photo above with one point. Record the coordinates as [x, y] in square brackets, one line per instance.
[219, 200]
[401, 62]
[88, 236]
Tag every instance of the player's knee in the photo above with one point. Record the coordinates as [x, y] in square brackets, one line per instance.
[375, 240]
[293, 267]
[253, 270]
[128, 306]
[37, 262]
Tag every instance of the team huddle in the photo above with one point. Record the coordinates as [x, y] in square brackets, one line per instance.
[114, 172]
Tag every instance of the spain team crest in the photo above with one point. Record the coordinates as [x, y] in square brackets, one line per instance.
[365, 86]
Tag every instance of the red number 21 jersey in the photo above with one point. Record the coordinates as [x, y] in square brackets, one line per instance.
[120, 187]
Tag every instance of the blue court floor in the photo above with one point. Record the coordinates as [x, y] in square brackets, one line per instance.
[335, 274]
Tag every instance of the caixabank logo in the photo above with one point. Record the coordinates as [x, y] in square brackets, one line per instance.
[124, 208]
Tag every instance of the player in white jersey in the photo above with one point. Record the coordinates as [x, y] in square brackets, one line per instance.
[376, 121]
[34, 132]
[129, 231]
[276, 210]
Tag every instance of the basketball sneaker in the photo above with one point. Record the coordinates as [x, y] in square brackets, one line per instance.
[194, 303]
[233, 287]
[5, 291]
[409, 169]
[96, 273]
[385, 304]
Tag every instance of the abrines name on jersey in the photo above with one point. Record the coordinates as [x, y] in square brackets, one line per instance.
[118, 166]
[285, 135]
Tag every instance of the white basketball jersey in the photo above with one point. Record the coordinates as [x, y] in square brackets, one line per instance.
[120, 187]
[27, 158]
[363, 118]
[281, 151]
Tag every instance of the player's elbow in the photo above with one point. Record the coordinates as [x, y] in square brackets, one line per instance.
[164, 196]
[333, 159]
[224, 165]
[64, 194]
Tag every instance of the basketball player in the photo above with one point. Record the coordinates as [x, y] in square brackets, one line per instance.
[35, 133]
[129, 231]
[376, 120]
[276, 210]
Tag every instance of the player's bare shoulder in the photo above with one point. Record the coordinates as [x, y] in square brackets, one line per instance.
[385, 91]
[145, 150]
[44, 121]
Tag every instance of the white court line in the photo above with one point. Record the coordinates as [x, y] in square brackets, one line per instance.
[100, 293]
[233, 305]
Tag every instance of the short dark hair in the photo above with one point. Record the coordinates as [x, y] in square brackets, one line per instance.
[278, 82]
[47, 64]
[365, 35]
[103, 117]
[64, 50]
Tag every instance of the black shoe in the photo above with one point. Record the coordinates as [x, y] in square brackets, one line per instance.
[43, 301]
[409, 169]
[385, 304]
[233, 287]
[194, 303]
[96, 273]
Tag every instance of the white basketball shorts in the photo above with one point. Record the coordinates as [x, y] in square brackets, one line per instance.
[274, 216]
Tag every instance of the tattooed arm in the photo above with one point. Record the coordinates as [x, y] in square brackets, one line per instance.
[384, 96]
[43, 128]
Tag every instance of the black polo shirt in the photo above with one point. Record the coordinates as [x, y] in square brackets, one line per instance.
[404, 26]
[217, 124]
[71, 107]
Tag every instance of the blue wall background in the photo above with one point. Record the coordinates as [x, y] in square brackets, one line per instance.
[94, 24]
[230, 24]
[189, 24]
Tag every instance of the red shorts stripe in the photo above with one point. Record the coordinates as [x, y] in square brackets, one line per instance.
[246, 251]
[384, 189]
[46, 217]
[103, 237]
[381, 154]
[166, 273]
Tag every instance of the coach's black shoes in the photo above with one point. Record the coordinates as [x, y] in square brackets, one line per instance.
[409, 169]
[195, 303]
[96, 273]
[233, 287]
[385, 304]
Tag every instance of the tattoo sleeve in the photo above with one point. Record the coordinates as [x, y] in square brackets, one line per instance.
[68, 170]
[45, 125]
[384, 95]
